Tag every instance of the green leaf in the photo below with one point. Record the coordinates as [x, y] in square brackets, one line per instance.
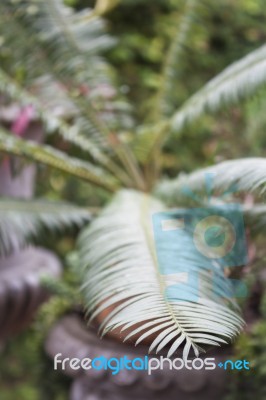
[66, 46]
[23, 220]
[72, 39]
[52, 123]
[174, 58]
[56, 159]
[238, 81]
[242, 175]
[119, 268]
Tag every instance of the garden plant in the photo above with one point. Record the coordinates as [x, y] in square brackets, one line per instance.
[101, 142]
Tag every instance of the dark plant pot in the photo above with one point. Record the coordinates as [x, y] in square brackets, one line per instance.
[72, 339]
[21, 292]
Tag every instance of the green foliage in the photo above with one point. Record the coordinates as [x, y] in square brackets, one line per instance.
[243, 175]
[249, 384]
[139, 296]
[24, 219]
[236, 82]
[222, 32]
[174, 59]
[26, 373]
[52, 123]
[65, 47]
[57, 159]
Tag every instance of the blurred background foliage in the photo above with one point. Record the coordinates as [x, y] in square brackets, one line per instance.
[223, 32]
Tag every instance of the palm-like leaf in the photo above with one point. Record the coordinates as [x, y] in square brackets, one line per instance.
[148, 139]
[57, 159]
[67, 46]
[22, 220]
[73, 40]
[119, 268]
[173, 60]
[52, 123]
[236, 82]
[244, 175]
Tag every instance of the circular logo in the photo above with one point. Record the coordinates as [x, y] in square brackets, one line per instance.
[214, 236]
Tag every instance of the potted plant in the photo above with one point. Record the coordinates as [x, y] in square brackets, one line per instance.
[125, 263]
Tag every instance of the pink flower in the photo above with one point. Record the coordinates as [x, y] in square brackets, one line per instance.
[22, 122]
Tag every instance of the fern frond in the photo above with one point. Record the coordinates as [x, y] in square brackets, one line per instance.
[67, 46]
[173, 60]
[120, 269]
[238, 81]
[56, 159]
[242, 175]
[145, 142]
[23, 220]
[52, 123]
[72, 40]
[75, 44]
